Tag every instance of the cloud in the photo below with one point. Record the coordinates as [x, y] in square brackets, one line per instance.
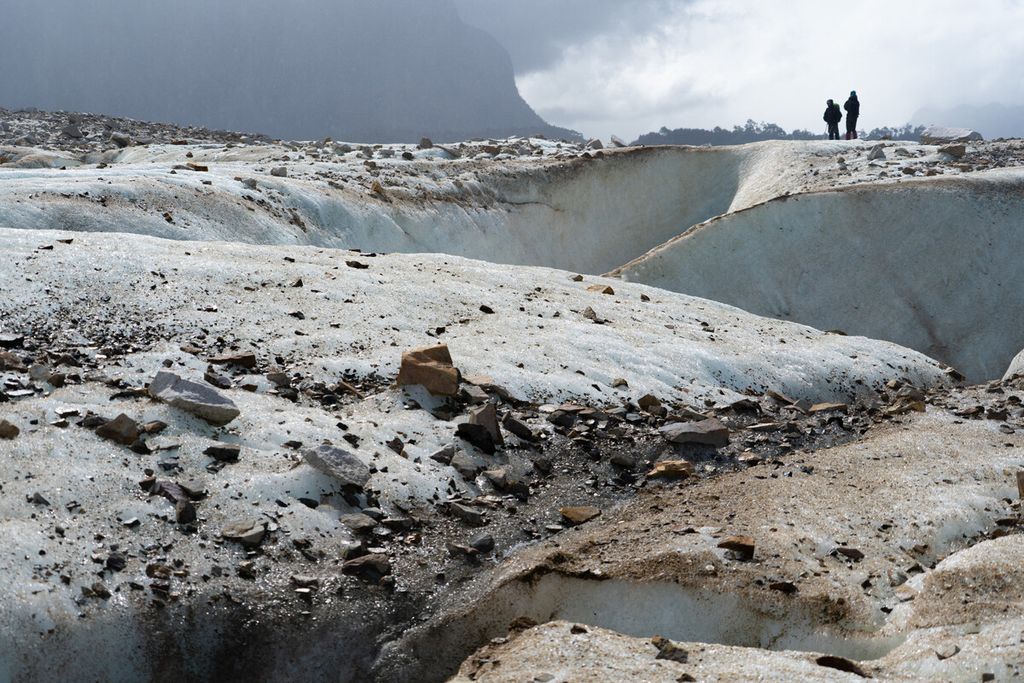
[629, 68]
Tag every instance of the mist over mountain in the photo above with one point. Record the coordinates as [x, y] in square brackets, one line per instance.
[382, 71]
[991, 120]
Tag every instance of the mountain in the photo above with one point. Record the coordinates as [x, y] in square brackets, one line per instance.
[991, 120]
[386, 71]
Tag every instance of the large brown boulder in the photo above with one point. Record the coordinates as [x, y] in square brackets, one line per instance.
[430, 367]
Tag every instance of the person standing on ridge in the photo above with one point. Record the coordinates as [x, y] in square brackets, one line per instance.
[832, 117]
[852, 108]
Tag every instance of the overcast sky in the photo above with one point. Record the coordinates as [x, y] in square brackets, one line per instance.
[627, 67]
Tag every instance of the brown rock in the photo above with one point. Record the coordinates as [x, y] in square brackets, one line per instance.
[741, 545]
[671, 469]
[579, 515]
[10, 362]
[601, 289]
[431, 368]
[828, 408]
[8, 431]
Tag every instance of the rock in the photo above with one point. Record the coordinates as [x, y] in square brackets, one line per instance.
[432, 368]
[601, 289]
[11, 341]
[249, 533]
[343, 466]
[359, 522]
[877, 153]
[242, 360]
[371, 568]
[579, 515]
[954, 151]
[487, 417]
[425, 143]
[743, 546]
[8, 431]
[122, 429]
[198, 399]
[671, 469]
[649, 403]
[594, 143]
[842, 664]
[707, 432]
[466, 465]
[279, 172]
[224, 452]
[482, 542]
[938, 135]
[617, 142]
[10, 362]
[72, 131]
[467, 513]
[121, 139]
[829, 408]
[518, 428]
[216, 379]
[445, 455]
[669, 651]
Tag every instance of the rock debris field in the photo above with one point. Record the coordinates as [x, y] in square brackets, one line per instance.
[271, 409]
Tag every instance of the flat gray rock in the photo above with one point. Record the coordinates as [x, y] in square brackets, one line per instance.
[201, 400]
[339, 464]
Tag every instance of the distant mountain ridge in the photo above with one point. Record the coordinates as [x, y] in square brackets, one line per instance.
[381, 71]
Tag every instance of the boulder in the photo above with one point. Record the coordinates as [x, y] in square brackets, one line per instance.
[579, 515]
[671, 469]
[279, 172]
[430, 367]
[343, 466]
[954, 151]
[706, 432]
[939, 135]
[877, 153]
[199, 399]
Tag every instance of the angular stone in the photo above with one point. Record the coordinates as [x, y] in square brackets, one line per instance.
[10, 362]
[519, 428]
[122, 429]
[601, 289]
[707, 432]
[579, 515]
[430, 367]
[955, 151]
[487, 417]
[198, 399]
[339, 464]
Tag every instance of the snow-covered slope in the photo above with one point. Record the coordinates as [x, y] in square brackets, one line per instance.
[137, 305]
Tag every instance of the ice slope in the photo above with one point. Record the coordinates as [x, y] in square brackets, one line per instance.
[930, 264]
[557, 209]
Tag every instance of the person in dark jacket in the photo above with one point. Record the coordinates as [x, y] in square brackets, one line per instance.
[852, 108]
[832, 117]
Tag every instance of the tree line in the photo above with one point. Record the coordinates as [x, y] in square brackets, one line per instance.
[753, 131]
